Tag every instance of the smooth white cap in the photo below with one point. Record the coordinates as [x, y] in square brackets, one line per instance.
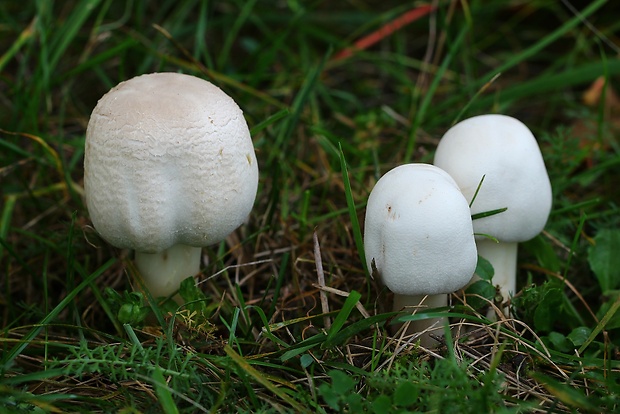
[418, 231]
[505, 152]
[168, 160]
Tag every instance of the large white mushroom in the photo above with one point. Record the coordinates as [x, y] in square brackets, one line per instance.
[169, 167]
[418, 235]
[505, 152]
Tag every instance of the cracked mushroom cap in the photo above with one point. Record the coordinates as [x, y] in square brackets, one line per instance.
[418, 232]
[168, 160]
[505, 152]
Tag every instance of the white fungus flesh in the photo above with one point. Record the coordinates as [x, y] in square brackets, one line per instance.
[168, 161]
[505, 152]
[418, 236]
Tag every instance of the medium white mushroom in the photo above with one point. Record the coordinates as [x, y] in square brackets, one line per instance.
[169, 167]
[505, 152]
[418, 236]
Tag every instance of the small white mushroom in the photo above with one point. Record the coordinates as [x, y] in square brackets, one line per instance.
[505, 152]
[418, 236]
[169, 167]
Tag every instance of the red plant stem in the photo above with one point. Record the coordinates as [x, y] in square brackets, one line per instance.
[385, 30]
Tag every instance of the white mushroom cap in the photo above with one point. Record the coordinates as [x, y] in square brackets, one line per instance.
[505, 152]
[418, 231]
[168, 160]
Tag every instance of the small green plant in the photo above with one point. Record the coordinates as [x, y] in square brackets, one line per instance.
[482, 292]
[129, 307]
[604, 259]
[444, 386]
[341, 395]
[564, 325]
[129, 362]
[133, 308]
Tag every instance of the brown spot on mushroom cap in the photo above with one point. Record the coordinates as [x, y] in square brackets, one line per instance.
[419, 247]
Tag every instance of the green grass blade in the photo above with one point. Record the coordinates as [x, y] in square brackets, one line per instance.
[25, 341]
[62, 38]
[296, 109]
[566, 393]
[100, 58]
[258, 377]
[355, 225]
[555, 81]
[547, 40]
[5, 220]
[231, 35]
[163, 392]
[601, 325]
[488, 213]
[272, 119]
[357, 327]
[573, 246]
[538, 85]
[298, 350]
[428, 96]
[343, 315]
[24, 37]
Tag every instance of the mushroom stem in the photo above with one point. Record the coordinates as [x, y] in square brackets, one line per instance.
[503, 258]
[422, 303]
[163, 272]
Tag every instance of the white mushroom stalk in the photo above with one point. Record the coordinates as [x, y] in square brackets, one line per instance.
[418, 235]
[503, 258]
[169, 167]
[505, 152]
[164, 271]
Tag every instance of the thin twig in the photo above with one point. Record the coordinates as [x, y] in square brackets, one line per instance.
[227, 268]
[321, 277]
